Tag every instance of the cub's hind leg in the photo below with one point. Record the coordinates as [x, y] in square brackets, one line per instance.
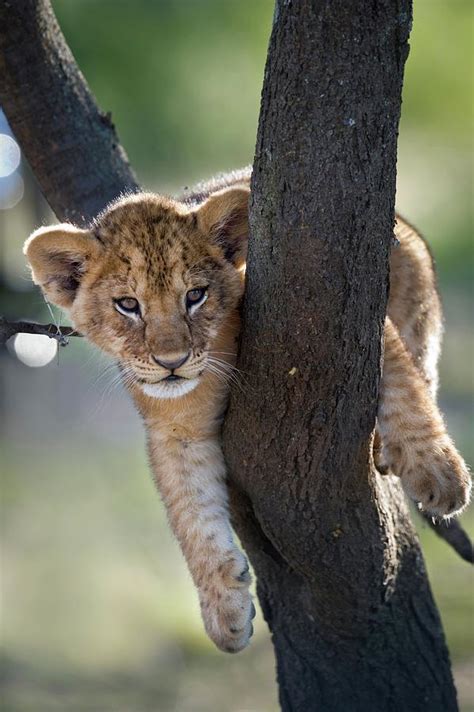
[414, 305]
[415, 444]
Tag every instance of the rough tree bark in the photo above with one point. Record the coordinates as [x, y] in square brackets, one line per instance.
[70, 144]
[340, 576]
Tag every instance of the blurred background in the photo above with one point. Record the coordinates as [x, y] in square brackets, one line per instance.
[98, 611]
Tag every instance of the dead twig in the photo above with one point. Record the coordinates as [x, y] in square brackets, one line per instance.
[10, 328]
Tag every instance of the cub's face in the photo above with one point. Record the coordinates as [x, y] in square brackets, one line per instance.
[152, 283]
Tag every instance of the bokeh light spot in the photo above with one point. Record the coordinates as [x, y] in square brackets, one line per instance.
[12, 189]
[33, 350]
[10, 155]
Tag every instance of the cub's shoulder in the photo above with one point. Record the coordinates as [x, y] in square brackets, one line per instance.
[202, 191]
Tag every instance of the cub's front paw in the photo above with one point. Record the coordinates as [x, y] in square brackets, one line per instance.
[439, 480]
[226, 604]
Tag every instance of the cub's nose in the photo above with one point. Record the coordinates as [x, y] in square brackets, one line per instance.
[171, 361]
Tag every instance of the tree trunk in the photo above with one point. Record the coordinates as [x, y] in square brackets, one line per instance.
[340, 576]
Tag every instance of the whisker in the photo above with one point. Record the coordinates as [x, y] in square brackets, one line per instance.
[230, 369]
[124, 376]
[216, 366]
[226, 363]
[221, 377]
[213, 369]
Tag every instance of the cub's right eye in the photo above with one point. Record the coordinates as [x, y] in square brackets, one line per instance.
[128, 306]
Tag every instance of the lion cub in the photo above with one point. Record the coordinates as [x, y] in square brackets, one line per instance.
[156, 283]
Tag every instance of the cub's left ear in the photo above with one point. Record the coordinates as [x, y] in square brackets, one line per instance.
[58, 258]
[224, 216]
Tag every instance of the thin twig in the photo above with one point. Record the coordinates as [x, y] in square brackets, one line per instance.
[10, 328]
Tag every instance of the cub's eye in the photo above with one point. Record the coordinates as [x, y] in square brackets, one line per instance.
[127, 306]
[196, 297]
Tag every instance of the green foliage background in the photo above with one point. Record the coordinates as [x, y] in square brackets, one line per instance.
[99, 612]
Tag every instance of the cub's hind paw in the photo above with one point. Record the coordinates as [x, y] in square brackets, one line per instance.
[380, 460]
[439, 482]
[382, 467]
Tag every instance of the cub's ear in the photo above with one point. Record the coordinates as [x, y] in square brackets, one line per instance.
[224, 216]
[58, 258]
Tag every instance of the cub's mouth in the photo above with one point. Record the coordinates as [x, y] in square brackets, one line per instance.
[170, 387]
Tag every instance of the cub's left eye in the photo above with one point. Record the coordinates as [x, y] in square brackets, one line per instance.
[196, 297]
[127, 306]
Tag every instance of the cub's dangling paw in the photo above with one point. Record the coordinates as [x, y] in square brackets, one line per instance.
[437, 478]
[226, 605]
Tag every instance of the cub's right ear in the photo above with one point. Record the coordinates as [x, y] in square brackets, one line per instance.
[58, 258]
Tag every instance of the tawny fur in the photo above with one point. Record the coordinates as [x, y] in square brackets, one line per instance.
[155, 249]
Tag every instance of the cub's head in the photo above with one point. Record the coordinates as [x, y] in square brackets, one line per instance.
[152, 282]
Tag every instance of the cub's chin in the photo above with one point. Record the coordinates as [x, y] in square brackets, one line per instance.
[170, 389]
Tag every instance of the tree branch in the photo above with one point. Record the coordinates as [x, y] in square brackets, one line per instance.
[70, 144]
[453, 534]
[10, 328]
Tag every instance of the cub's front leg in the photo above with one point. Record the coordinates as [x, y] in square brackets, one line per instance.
[190, 475]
